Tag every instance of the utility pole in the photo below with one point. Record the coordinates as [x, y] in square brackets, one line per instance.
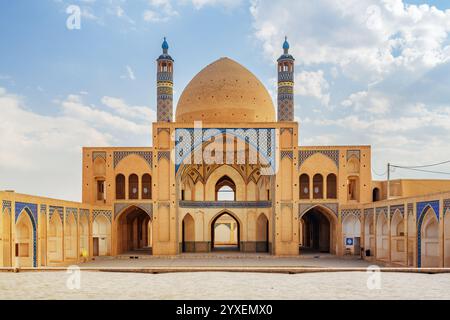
[388, 181]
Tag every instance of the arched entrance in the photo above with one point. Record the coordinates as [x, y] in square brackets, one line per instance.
[262, 234]
[70, 238]
[188, 230]
[24, 241]
[382, 237]
[101, 236]
[429, 240]
[318, 230]
[352, 234]
[133, 235]
[84, 236]
[54, 238]
[225, 233]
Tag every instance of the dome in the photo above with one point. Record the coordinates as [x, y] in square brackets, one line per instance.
[225, 91]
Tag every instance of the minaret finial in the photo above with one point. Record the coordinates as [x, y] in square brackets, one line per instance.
[286, 45]
[165, 46]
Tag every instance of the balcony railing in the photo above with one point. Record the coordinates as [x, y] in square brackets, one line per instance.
[225, 204]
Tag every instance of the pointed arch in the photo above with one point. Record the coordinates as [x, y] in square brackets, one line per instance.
[262, 233]
[55, 239]
[428, 239]
[235, 231]
[398, 239]
[188, 233]
[382, 233]
[25, 239]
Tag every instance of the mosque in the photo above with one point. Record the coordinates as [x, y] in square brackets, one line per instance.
[227, 173]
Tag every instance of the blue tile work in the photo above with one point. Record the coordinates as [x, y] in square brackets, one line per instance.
[225, 204]
[432, 204]
[190, 139]
[31, 210]
[422, 208]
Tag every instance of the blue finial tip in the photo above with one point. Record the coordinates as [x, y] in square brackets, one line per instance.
[285, 44]
[165, 45]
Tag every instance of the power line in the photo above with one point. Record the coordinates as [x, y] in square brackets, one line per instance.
[420, 170]
[423, 166]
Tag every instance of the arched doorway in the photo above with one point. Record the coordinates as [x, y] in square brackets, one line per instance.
[6, 238]
[429, 240]
[188, 230]
[225, 233]
[24, 241]
[447, 239]
[369, 235]
[398, 239]
[376, 196]
[352, 234]
[225, 189]
[84, 236]
[382, 237]
[101, 235]
[318, 231]
[55, 240]
[133, 234]
[70, 238]
[262, 234]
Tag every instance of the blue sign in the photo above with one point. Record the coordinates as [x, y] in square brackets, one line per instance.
[348, 241]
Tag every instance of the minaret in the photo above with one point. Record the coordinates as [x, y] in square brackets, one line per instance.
[165, 85]
[286, 85]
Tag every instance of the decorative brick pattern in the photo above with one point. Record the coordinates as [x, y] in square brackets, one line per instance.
[400, 208]
[353, 153]
[446, 206]
[120, 155]
[98, 154]
[303, 155]
[106, 213]
[347, 212]
[6, 205]
[59, 210]
[287, 154]
[72, 211]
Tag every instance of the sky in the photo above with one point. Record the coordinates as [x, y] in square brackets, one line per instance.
[368, 72]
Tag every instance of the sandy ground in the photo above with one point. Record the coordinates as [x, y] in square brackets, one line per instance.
[241, 286]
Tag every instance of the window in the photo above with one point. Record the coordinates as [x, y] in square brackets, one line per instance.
[225, 189]
[331, 186]
[146, 186]
[353, 188]
[304, 186]
[318, 186]
[120, 187]
[133, 185]
[100, 190]
[182, 195]
[376, 195]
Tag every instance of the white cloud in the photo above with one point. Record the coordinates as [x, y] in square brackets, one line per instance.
[42, 154]
[312, 84]
[382, 66]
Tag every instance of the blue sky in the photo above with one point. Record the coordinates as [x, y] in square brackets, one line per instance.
[368, 72]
